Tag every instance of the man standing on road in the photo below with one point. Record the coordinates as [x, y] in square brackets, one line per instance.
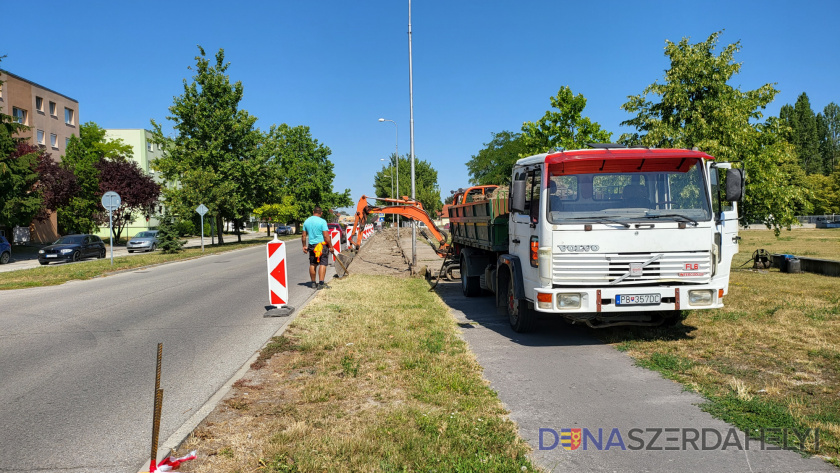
[317, 242]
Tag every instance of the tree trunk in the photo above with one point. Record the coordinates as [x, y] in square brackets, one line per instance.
[236, 228]
[219, 227]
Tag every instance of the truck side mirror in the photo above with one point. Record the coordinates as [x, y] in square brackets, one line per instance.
[517, 193]
[735, 183]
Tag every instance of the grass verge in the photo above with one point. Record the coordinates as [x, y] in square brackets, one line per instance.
[371, 376]
[52, 275]
[771, 357]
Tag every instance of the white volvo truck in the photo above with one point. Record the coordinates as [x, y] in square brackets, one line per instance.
[604, 236]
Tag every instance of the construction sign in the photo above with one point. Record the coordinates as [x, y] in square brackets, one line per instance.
[335, 235]
[278, 279]
[368, 231]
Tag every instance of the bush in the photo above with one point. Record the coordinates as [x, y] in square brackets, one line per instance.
[185, 227]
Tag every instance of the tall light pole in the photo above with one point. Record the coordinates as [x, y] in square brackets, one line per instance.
[397, 149]
[411, 133]
[393, 217]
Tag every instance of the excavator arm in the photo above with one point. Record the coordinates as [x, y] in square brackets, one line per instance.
[406, 207]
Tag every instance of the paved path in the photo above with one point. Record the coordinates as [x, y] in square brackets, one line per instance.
[562, 377]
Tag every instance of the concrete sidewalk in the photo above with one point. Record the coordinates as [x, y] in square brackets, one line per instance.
[27, 257]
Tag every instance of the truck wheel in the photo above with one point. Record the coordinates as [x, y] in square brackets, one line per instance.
[520, 316]
[471, 285]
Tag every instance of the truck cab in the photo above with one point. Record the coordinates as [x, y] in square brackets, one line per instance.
[608, 236]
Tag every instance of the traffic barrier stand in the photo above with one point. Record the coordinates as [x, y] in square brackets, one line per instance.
[278, 280]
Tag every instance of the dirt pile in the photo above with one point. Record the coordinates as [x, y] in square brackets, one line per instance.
[381, 255]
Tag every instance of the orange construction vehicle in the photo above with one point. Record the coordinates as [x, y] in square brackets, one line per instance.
[406, 207]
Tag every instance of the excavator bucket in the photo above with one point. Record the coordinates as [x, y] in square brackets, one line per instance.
[342, 261]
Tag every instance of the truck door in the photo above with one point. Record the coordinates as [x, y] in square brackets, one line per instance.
[726, 226]
[524, 226]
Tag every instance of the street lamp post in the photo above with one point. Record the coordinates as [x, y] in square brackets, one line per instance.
[397, 148]
[411, 133]
[393, 217]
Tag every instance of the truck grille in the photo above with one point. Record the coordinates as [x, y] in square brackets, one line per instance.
[595, 269]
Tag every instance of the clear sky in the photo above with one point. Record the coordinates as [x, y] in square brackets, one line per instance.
[480, 66]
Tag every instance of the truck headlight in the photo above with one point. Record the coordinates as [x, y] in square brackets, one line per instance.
[700, 297]
[568, 301]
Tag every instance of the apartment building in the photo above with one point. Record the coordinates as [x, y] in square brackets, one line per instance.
[52, 118]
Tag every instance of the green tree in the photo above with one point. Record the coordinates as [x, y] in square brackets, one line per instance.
[300, 168]
[277, 213]
[696, 107]
[426, 186]
[804, 133]
[494, 163]
[830, 137]
[168, 239]
[20, 200]
[211, 159]
[84, 212]
[565, 128]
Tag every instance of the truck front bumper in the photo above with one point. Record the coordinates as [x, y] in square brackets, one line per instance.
[628, 299]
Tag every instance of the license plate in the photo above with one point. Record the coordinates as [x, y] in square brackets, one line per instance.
[639, 299]
[52, 256]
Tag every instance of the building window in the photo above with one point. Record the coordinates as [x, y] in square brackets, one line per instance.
[39, 104]
[149, 146]
[53, 140]
[68, 116]
[53, 109]
[41, 137]
[66, 143]
[19, 115]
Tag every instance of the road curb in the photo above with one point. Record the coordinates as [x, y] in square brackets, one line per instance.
[183, 432]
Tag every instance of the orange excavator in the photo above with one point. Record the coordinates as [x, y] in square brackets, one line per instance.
[406, 207]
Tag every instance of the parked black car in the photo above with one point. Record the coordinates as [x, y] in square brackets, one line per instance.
[72, 248]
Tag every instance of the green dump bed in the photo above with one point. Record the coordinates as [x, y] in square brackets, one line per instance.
[482, 223]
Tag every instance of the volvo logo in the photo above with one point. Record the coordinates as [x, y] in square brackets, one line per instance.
[578, 248]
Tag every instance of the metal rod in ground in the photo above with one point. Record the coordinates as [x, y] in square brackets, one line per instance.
[156, 428]
[158, 401]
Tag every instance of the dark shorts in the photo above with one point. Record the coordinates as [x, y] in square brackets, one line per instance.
[325, 255]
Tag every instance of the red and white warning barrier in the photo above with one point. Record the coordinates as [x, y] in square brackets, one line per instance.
[335, 235]
[368, 231]
[171, 464]
[278, 279]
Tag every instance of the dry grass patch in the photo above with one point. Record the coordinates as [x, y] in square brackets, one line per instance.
[771, 357]
[371, 376]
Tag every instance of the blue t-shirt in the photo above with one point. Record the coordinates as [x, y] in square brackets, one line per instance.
[315, 228]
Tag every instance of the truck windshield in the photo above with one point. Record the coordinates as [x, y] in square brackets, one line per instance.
[632, 190]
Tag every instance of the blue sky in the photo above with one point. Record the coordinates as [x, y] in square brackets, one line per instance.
[337, 66]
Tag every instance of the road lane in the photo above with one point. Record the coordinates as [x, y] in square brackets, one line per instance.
[78, 360]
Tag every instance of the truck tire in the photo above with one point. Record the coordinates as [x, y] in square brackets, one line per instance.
[519, 315]
[471, 285]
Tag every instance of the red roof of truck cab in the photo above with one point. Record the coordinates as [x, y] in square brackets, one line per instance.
[622, 160]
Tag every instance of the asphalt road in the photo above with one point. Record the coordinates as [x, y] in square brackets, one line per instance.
[78, 360]
[562, 377]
